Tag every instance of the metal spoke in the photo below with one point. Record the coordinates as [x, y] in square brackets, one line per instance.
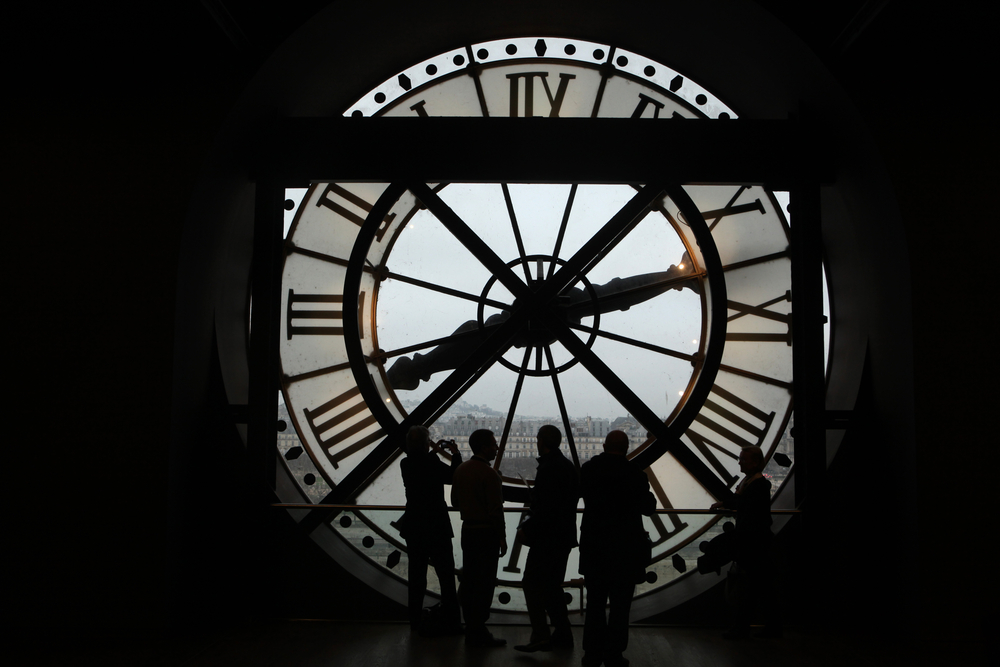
[434, 287]
[450, 338]
[562, 228]
[516, 229]
[562, 407]
[637, 408]
[495, 344]
[636, 343]
[605, 240]
[513, 407]
[467, 237]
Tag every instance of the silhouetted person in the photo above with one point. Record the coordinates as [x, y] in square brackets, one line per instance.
[613, 547]
[550, 534]
[427, 528]
[745, 582]
[478, 494]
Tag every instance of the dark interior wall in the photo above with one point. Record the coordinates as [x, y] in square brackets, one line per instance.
[113, 123]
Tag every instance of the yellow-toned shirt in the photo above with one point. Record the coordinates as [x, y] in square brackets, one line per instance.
[477, 493]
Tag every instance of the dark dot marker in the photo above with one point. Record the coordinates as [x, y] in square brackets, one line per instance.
[345, 522]
[289, 205]
[621, 61]
[280, 424]
[723, 116]
[511, 49]
[651, 577]
[431, 69]
[700, 99]
[568, 597]
[679, 563]
[649, 70]
[356, 113]
[482, 54]
[598, 54]
[569, 49]
[504, 598]
[458, 60]
[368, 542]
[309, 478]
[380, 97]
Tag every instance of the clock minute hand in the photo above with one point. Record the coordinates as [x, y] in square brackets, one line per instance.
[623, 293]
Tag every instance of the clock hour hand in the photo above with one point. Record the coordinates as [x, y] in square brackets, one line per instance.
[406, 373]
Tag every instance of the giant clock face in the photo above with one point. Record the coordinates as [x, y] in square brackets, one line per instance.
[659, 310]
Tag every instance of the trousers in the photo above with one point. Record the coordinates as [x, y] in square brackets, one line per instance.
[544, 573]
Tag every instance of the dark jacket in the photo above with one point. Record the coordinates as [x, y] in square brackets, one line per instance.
[753, 522]
[554, 496]
[616, 495]
[426, 516]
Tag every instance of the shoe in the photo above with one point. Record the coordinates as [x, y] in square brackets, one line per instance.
[562, 639]
[531, 647]
[485, 641]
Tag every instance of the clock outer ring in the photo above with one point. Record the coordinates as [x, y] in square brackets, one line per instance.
[693, 401]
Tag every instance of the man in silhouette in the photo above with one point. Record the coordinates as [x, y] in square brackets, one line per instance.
[550, 534]
[614, 548]
[748, 575]
[477, 492]
[427, 528]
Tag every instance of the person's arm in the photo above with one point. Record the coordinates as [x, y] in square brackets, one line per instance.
[447, 472]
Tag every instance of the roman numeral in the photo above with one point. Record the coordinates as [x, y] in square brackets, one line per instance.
[761, 311]
[663, 533]
[327, 424]
[721, 438]
[529, 92]
[645, 101]
[419, 109]
[334, 311]
[337, 198]
[715, 216]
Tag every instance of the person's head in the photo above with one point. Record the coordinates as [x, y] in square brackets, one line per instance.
[616, 443]
[418, 440]
[483, 444]
[751, 460]
[549, 438]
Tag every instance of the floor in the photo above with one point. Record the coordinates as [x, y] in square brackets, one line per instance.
[336, 644]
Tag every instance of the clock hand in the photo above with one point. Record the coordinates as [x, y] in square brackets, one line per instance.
[406, 373]
[623, 293]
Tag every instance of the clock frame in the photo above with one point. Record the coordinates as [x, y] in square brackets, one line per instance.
[712, 402]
